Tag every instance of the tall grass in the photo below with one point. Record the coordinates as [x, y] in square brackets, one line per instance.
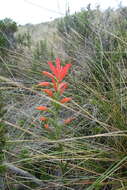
[94, 148]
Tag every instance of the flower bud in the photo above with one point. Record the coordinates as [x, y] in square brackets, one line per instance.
[42, 108]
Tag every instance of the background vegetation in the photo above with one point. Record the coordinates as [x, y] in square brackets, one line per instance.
[94, 145]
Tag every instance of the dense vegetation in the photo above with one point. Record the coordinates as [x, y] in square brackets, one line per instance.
[7, 30]
[91, 151]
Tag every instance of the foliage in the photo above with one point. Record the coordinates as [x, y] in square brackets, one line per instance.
[24, 39]
[42, 52]
[7, 29]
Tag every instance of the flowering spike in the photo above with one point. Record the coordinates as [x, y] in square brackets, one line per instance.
[42, 108]
[65, 100]
[57, 75]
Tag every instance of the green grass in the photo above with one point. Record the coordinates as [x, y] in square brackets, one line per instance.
[92, 151]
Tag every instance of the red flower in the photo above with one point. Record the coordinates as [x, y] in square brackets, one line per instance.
[42, 108]
[48, 74]
[46, 126]
[44, 84]
[65, 100]
[67, 121]
[49, 92]
[62, 87]
[43, 118]
[55, 85]
[59, 71]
